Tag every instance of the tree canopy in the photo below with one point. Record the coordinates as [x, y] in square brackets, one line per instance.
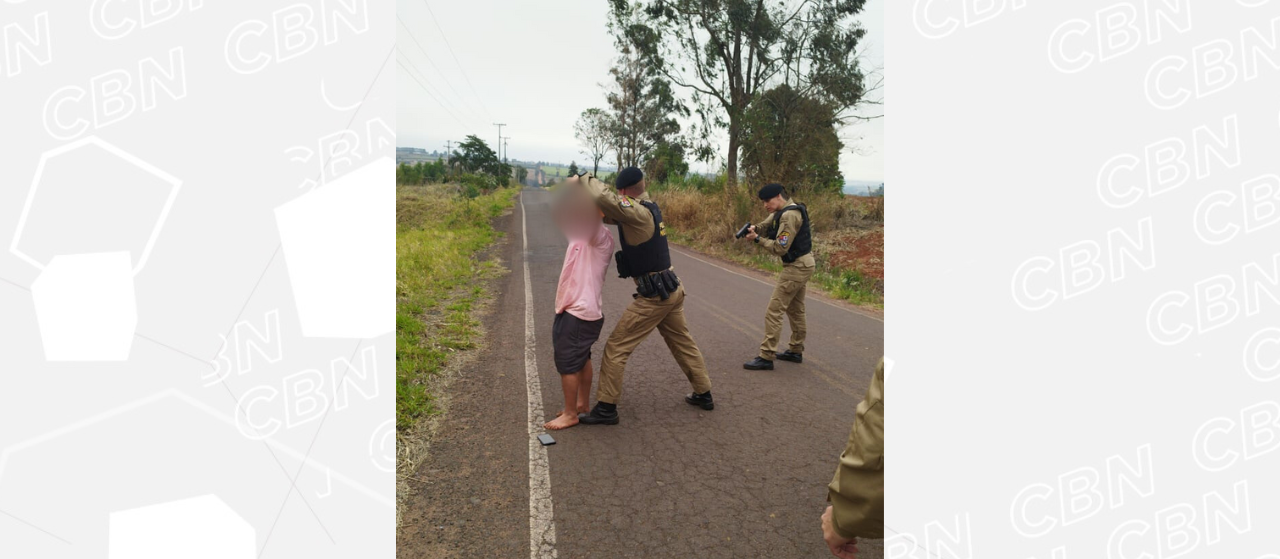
[666, 162]
[475, 156]
[727, 52]
[791, 139]
[643, 107]
[593, 131]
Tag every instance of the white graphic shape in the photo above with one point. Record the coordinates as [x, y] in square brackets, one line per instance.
[86, 307]
[85, 302]
[45, 162]
[197, 528]
[337, 245]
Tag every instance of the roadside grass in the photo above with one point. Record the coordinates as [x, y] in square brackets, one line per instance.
[707, 221]
[438, 235]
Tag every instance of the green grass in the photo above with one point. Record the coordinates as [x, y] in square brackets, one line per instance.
[550, 170]
[438, 235]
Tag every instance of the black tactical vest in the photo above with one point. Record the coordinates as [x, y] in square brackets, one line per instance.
[800, 241]
[651, 255]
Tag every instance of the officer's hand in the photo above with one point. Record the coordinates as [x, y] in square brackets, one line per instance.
[839, 546]
[751, 233]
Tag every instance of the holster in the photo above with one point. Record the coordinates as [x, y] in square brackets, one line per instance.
[670, 279]
[623, 270]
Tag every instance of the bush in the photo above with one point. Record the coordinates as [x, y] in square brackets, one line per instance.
[701, 183]
[475, 185]
[420, 173]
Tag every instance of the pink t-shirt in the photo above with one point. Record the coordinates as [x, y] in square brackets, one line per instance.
[582, 277]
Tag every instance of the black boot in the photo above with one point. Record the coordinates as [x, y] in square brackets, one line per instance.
[701, 400]
[758, 364]
[601, 414]
[791, 356]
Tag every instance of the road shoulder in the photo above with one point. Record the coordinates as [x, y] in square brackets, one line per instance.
[462, 499]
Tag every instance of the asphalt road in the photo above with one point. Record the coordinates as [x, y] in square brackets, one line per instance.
[745, 480]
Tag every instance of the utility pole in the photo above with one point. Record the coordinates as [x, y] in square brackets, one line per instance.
[499, 146]
[505, 152]
[448, 153]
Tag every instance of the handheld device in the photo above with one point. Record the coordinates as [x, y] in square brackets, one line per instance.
[546, 439]
[743, 232]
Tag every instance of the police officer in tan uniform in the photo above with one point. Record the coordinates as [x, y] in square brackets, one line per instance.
[786, 234]
[658, 301]
[856, 492]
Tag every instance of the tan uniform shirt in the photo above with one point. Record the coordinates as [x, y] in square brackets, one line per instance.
[635, 219]
[856, 492]
[788, 226]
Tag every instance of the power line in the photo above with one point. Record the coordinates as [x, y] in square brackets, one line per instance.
[433, 97]
[436, 21]
[424, 80]
[459, 96]
[412, 68]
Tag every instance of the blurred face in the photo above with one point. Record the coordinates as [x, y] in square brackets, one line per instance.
[774, 204]
[575, 213]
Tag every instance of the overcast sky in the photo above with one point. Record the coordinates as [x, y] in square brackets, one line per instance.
[536, 66]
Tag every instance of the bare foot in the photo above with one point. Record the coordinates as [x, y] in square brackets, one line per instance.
[583, 407]
[562, 421]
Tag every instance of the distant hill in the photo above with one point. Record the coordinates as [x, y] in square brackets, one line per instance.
[862, 188]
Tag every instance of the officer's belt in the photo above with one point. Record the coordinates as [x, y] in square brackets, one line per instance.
[661, 284]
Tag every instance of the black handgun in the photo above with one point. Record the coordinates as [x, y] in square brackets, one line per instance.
[743, 232]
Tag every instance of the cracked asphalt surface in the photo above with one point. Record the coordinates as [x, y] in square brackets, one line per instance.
[671, 480]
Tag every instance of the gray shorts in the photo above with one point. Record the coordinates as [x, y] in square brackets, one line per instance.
[571, 337]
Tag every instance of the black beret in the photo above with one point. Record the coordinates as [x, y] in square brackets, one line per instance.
[628, 177]
[771, 190]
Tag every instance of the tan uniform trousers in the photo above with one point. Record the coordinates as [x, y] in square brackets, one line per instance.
[788, 298]
[640, 318]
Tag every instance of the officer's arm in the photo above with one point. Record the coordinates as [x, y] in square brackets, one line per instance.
[760, 227]
[634, 218]
[857, 491]
[787, 227]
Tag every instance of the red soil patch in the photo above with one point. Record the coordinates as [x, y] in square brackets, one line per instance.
[862, 251]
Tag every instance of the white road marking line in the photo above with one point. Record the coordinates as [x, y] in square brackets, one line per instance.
[542, 528]
[846, 309]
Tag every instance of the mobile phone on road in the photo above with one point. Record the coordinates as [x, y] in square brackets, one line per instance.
[546, 439]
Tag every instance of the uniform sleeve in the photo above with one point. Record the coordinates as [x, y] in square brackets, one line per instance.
[627, 212]
[787, 227]
[856, 492]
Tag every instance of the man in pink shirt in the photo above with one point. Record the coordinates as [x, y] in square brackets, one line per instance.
[578, 311]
